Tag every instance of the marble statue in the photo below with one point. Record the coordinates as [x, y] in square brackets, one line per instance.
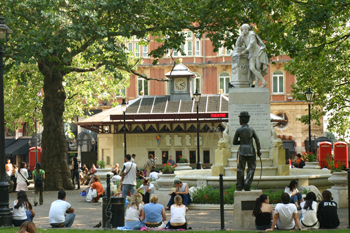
[246, 152]
[224, 142]
[275, 141]
[258, 60]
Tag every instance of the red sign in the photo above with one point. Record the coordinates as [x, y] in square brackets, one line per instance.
[218, 115]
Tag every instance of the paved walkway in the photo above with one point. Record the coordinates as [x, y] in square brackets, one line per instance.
[90, 214]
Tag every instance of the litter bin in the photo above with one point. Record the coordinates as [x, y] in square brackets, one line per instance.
[118, 211]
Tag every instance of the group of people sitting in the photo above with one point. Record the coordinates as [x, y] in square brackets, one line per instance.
[285, 215]
[152, 216]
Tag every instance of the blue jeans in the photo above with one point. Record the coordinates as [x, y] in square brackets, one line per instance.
[296, 198]
[68, 222]
[126, 188]
[263, 227]
[18, 223]
[186, 200]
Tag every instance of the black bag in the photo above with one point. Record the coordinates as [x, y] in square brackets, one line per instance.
[24, 178]
[302, 164]
[38, 179]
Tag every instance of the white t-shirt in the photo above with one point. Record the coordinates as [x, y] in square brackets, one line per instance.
[130, 178]
[116, 178]
[285, 212]
[153, 175]
[24, 173]
[132, 213]
[150, 186]
[309, 216]
[57, 210]
[287, 190]
[20, 213]
[178, 214]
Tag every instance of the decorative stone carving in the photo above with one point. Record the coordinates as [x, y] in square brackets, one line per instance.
[177, 140]
[167, 140]
[275, 141]
[224, 142]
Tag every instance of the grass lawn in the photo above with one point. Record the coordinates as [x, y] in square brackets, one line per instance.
[67, 230]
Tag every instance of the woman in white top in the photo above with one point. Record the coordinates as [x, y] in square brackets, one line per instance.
[308, 217]
[133, 213]
[22, 177]
[178, 214]
[22, 209]
[292, 190]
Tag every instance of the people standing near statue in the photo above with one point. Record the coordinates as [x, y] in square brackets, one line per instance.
[246, 152]
[129, 176]
[151, 164]
[258, 60]
[39, 177]
[171, 161]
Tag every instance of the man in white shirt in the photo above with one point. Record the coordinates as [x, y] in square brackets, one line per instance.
[58, 210]
[148, 189]
[286, 215]
[129, 176]
[153, 175]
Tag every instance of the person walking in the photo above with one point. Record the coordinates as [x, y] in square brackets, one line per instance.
[75, 173]
[39, 177]
[22, 178]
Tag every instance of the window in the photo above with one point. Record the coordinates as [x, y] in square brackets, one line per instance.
[145, 51]
[206, 156]
[196, 83]
[224, 79]
[130, 47]
[191, 46]
[165, 155]
[142, 85]
[277, 78]
[192, 156]
[198, 48]
[178, 155]
[137, 50]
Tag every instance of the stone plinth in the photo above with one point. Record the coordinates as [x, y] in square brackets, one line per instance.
[239, 68]
[166, 185]
[311, 165]
[243, 209]
[221, 161]
[183, 166]
[257, 102]
[340, 188]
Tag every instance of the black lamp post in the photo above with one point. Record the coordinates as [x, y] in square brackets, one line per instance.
[309, 95]
[197, 97]
[5, 214]
[124, 128]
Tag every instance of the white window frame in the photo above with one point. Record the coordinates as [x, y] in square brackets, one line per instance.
[145, 51]
[194, 83]
[227, 78]
[198, 47]
[279, 75]
[143, 81]
[137, 50]
[130, 47]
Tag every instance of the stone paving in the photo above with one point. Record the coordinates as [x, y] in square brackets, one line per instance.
[90, 214]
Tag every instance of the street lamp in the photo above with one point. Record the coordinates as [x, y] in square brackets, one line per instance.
[5, 214]
[124, 129]
[197, 97]
[309, 95]
[36, 137]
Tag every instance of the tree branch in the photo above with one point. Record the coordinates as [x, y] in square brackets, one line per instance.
[83, 70]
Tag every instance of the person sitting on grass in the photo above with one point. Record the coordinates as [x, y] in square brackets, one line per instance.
[308, 217]
[286, 215]
[133, 213]
[182, 190]
[295, 195]
[27, 227]
[263, 212]
[327, 211]
[148, 189]
[58, 209]
[178, 214]
[154, 215]
[22, 209]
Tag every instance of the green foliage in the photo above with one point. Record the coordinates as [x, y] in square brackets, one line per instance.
[183, 160]
[311, 157]
[168, 169]
[101, 163]
[274, 195]
[332, 165]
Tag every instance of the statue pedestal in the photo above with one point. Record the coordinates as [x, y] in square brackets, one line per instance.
[240, 68]
[244, 202]
[221, 161]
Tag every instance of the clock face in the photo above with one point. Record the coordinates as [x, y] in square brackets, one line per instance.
[180, 84]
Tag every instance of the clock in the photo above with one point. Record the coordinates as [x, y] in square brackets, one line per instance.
[180, 84]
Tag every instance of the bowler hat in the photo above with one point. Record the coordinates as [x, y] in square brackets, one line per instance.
[244, 114]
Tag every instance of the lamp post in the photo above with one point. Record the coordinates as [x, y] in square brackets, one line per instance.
[197, 97]
[5, 214]
[309, 95]
[36, 138]
[124, 128]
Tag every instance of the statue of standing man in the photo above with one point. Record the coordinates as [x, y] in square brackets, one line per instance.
[246, 152]
[258, 60]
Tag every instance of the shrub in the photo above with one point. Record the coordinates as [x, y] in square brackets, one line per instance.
[101, 163]
[311, 157]
[168, 169]
[182, 160]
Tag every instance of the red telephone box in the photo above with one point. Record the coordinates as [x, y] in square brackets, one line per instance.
[325, 150]
[32, 157]
[341, 153]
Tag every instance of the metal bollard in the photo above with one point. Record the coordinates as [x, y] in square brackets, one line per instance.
[109, 206]
[222, 217]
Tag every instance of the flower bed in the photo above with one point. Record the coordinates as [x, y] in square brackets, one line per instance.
[211, 195]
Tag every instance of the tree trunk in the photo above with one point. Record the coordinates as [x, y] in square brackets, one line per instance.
[54, 156]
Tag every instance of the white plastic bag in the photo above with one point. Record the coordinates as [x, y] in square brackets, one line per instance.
[91, 194]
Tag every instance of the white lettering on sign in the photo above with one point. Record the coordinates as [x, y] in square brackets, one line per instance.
[188, 140]
[200, 140]
[177, 140]
[167, 140]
